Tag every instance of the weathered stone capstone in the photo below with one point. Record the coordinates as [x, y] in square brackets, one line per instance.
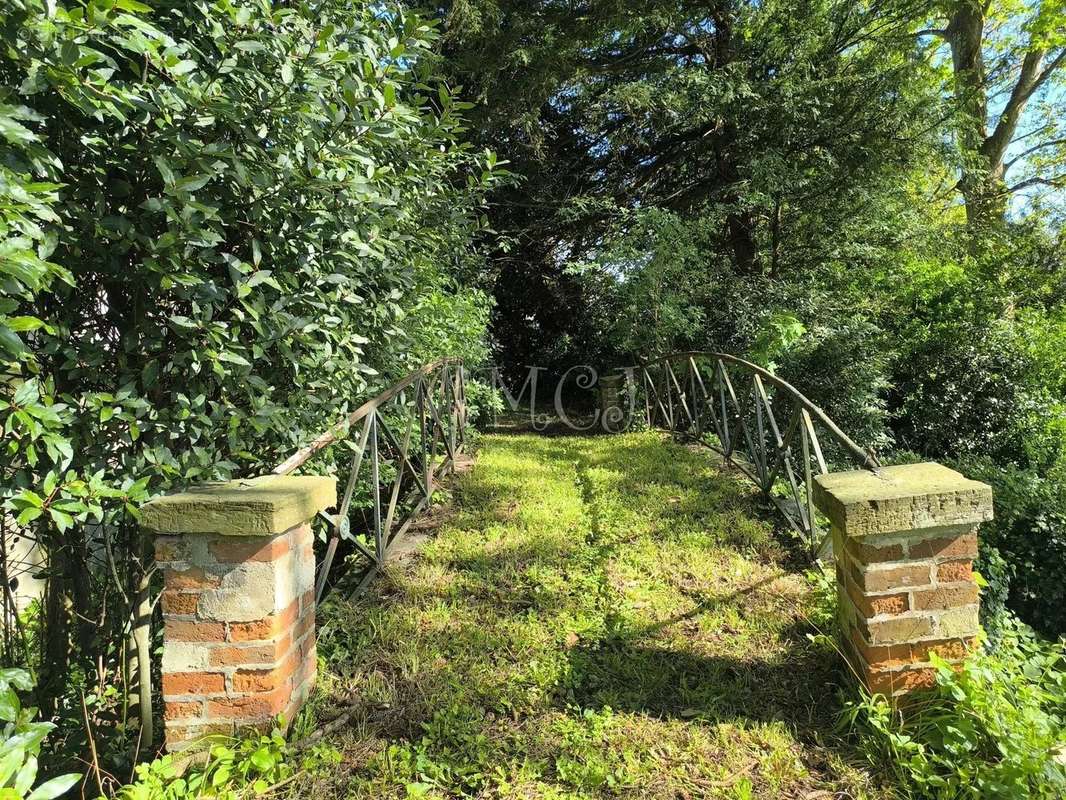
[238, 602]
[902, 498]
[904, 540]
[249, 507]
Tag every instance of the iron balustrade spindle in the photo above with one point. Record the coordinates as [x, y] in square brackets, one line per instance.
[430, 404]
[743, 426]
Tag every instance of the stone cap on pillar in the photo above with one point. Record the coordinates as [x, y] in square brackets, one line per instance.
[906, 497]
[261, 506]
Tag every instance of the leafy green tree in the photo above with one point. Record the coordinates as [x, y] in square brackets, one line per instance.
[654, 270]
[752, 117]
[1008, 62]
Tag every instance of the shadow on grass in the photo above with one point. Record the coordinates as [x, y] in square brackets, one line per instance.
[729, 488]
[637, 676]
[631, 671]
[488, 641]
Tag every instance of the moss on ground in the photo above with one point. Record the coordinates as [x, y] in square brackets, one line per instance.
[600, 616]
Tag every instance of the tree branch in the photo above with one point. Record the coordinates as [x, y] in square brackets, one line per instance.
[1049, 143]
[1032, 77]
[1042, 129]
[1056, 62]
[1055, 182]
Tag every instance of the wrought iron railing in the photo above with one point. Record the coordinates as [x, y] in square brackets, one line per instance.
[735, 407]
[427, 408]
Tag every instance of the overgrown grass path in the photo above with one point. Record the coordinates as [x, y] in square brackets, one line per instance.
[600, 616]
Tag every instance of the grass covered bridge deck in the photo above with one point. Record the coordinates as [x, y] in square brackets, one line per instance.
[594, 616]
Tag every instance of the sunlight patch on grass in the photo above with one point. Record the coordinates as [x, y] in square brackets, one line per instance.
[601, 616]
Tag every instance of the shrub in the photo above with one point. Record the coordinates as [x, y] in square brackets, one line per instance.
[842, 368]
[450, 323]
[217, 215]
[20, 744]
[656, 272]
[979, 381]
[1028, 535]
[992, 729]
[483, 403]
[960, 390]
[993, 574]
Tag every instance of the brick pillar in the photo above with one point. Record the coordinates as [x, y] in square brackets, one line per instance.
[610, 387]
[904, 541]
[612, 412]
[238, 602]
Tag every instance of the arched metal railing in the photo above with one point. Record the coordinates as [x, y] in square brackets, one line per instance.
[407, 438]
[736, 407]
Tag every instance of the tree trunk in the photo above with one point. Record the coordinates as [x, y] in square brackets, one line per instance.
[55, 633]
[140, 663]
[981, 184]
[741, 226]
[775, 239]
[85, 631]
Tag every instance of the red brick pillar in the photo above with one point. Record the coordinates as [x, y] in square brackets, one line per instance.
[238, 602]
[904, 540]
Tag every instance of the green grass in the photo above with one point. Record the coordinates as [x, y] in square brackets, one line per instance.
[600, 616]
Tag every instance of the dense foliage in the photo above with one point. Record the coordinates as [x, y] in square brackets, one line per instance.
[992, 729]
[865, 196]
[20, 744]
[224, 223]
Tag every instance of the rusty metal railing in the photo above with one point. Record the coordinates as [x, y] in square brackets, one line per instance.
[734, 407]
[406, 438]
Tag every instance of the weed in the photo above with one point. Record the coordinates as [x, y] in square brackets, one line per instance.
[994, 728]
[231, 769]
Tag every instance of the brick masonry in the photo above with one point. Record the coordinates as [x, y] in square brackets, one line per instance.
[904, 570]
[239, 621]
[239, 633]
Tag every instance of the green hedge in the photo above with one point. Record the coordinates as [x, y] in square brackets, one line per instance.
[1024, 548]
[221, 223]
